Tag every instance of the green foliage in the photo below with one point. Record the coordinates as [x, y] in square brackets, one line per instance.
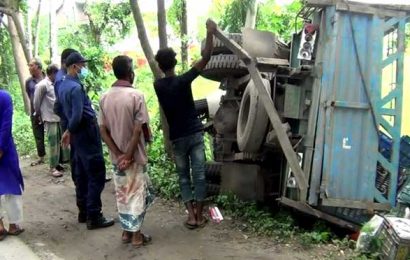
[270, 17]
[109, 22]
[174, 15]
[234, 16]
[7, 69]
[162, 171]
[22, 131]
[277, 19]
[280, 225]
[260, 220]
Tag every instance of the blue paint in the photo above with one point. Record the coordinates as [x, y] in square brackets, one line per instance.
[346, 141]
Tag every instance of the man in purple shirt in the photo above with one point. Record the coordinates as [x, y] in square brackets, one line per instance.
[35, 67]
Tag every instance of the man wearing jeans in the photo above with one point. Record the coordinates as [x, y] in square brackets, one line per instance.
[185, 129]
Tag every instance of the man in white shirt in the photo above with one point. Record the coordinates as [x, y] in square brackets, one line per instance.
[44, 99]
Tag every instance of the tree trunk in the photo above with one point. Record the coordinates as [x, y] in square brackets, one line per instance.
[37, 28]
[163, 43]
[20, 61]
[53, 34]
[162, 24]
[184, 36]
[149, 55]
[29, 32]
[9, 10]
[142, 36]
[251, 15]
[20, 32]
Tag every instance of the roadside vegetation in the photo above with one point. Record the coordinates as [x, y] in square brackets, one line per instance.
[93, 42]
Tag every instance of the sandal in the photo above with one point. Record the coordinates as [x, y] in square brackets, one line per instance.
[17, 232]
[146, 239]
[38, 162]
[56, 173]
[3, 234]
[203, 223]
[189, 225]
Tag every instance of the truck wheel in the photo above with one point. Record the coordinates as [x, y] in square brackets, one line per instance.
[223, 66]
[253, 119]
[220, 48]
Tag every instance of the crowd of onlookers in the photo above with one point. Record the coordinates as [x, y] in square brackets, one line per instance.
[61, 110]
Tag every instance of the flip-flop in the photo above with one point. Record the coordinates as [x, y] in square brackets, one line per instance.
[56, 173]
[38, 162]
[190, 226]
[3, 234]
[16, 233]
[203, 223]
[146, 239]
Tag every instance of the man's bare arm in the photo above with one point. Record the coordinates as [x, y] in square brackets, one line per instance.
[207, 52]
[106, 136]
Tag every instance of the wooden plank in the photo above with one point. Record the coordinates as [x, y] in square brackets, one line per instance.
[279, 130]
[272, 61]
[388, 7]
[270, 64]
[369, 9]
[304, 207]
[355, 204]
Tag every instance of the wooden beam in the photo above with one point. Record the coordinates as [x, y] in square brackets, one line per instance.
[366, 9]
[304, 207]
[271, 111]
[276, 122]
[322, 3]
[354, 204]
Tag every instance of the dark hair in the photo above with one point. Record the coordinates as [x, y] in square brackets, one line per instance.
[122, 66]
[51, 69]
[166, 59]
[66, 53]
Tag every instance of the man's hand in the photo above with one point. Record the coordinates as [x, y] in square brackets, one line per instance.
[124, 162]
[65, 139]
[1, 154]
[210, 26]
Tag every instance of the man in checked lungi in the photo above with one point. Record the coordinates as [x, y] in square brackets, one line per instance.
[123, 121]
[44, 99]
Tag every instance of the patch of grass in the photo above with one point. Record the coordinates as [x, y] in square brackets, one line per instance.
[280, 225]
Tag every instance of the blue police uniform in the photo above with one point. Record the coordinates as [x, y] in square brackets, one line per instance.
[87, 157]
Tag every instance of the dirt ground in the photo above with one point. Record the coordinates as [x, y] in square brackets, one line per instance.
[52, 231]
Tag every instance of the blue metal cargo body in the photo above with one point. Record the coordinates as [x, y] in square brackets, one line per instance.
[329, 101]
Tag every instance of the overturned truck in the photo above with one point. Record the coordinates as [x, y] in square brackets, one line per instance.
[300, 123]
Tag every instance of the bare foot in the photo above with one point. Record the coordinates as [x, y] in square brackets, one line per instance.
[126, 237]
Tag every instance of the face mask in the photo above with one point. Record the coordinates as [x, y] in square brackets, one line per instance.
[83, 73]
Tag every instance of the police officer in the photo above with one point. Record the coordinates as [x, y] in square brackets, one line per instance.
[82, 133]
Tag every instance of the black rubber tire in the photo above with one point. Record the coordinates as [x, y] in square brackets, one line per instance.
[253, 119]
[220, 48]
[201, 107]
[213, 173]
[222, 66]
[212, 189]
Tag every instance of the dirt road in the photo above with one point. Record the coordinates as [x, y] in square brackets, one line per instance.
[52, 231]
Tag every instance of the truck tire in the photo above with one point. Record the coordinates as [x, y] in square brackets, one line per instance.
[220, 48]
[223, 66]
[253, 119]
